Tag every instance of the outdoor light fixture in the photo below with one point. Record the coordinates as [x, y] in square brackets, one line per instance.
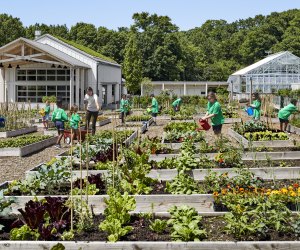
[9, 66]
[65, 67]
[52, 66]
[1, 65]
[59, 67]
[18, 66]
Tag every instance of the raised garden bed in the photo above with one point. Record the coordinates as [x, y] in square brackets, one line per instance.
[52, 132]
[199, 174]
[141, 128]
[104, 122]
[258, 156]
[28, 147]
[17, 132]
[246, 143]
[293, 129]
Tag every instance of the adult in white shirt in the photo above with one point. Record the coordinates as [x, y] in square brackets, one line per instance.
[92, 109]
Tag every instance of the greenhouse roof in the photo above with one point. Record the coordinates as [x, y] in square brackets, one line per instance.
[246, 70]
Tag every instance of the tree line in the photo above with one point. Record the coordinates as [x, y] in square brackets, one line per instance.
[153, 46]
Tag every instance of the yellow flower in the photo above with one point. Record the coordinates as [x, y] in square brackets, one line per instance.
[284, 191]
[268, 193]
[216, 194]
[293, 194]
[290, 188]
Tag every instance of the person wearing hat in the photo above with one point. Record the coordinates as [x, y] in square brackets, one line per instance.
[176, 104]
[154, 107]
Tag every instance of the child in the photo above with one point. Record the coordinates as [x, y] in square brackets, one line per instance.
[124, 106]
[214, 112]
[59, 117]
[154, 108]
[46, 115]
[176, 105]
[74, 122]
[285, 113]
[256, 104]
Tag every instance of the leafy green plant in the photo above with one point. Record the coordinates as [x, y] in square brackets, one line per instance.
[158, 225]
[182, 184]
[22, 141]
[185, 224]
[117, 215]
[5, 207]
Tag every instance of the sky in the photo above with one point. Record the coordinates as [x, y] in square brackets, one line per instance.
[186, 14]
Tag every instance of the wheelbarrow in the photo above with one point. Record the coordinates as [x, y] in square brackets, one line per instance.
[68, 135]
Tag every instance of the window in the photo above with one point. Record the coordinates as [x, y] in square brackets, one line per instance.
[34, 93]
[43, 75]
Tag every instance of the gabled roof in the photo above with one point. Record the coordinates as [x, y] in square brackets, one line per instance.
[81, 49]
[259, 63]
[47, 49]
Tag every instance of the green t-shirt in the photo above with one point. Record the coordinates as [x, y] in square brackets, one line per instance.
[59, 115]
[215, 108]
[256, 109]
[47, 110]
[154, 106]
[124, 106]
[74, 121]
[285, 112]
[176, 103]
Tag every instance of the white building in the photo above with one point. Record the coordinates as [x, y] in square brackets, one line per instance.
[181, 88]
[50, 66]
[277, 71]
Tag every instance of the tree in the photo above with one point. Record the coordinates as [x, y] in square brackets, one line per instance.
[55, 30]
[85, 34]
[11, 28]
[132, 66]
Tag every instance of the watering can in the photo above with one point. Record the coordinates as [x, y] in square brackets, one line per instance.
[204, 125]
[249, 111]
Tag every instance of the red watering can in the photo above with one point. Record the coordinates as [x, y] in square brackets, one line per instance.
[204, 125]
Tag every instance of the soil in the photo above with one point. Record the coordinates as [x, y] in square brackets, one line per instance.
[214, 226]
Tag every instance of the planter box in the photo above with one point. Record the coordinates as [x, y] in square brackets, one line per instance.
[153, 245]
[293, 129]
[249, 156]
[144, 203]
[270, 120]
[50, 132]
[141, 129]
[29, 149]
[272, 144]
[280, 173]
[104, 122]
[21, 131]
[131, 138]
[164, 117]
[232, 120]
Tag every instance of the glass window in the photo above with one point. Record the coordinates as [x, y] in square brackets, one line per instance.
[21, 78]
[41, 72]
[61, 78]
[41, 78]
[61, 72]
[22, 87]
[32, 87]
[61, 88]
[21, 72]
[31, 72]
[31, 78]
[31, 93]
[50, 72]
[41, 87]
[51, 88]
[50, 78]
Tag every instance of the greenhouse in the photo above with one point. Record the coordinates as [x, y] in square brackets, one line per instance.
[277, 71]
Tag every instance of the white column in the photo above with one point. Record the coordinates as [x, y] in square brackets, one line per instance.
[77, 84]
[163, 86]
[184, 89]
[117, 91]
[82, 86]
[206, 89]
[2, 85]
[71, 87]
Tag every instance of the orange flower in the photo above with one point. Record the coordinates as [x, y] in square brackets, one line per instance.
[216, 194]
[296, 185]
[242, 189]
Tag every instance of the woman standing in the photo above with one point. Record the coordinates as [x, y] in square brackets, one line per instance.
[92, 109]
[124, 108]
[154, 108]
[214, 112]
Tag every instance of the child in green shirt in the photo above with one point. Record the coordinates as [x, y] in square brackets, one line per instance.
[59, 117]
[124, 107]
[74, 123]
[176, 105]
[285, 113]
[256, 104]
[154, 107]
[214, 112]
[46, 115]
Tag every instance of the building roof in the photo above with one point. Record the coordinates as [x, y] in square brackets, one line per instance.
[268, 59]
[82, 49]
[49, 50]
